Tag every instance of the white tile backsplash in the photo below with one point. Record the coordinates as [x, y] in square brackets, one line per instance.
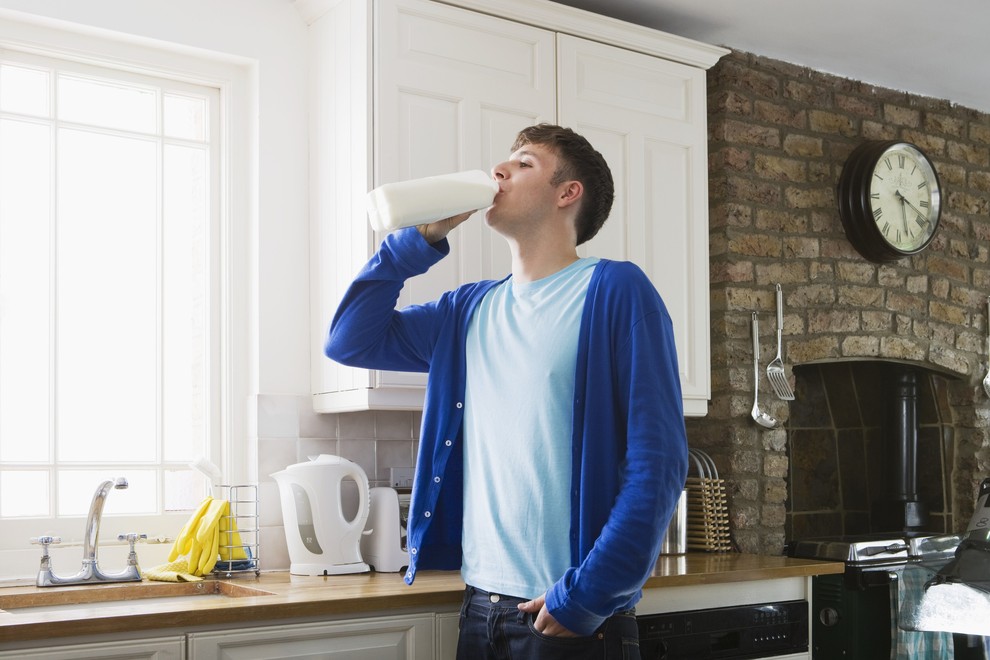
[356, 425]
[289, 432]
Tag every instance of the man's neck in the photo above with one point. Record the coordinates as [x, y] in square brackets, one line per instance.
[533, 262]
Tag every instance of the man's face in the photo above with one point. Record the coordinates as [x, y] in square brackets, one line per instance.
[526, 194]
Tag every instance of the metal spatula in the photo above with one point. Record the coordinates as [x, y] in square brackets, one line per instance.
[775, 370]
[764, 419]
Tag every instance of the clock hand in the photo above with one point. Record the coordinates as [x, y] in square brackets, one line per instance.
[914, 208]
[898, 194]
[904, 220]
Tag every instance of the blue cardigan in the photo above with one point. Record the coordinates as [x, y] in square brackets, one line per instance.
[629, 444]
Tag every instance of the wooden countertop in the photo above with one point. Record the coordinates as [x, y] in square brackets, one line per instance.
[113, 608]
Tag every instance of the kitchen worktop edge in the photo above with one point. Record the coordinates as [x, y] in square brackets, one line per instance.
[298, 597]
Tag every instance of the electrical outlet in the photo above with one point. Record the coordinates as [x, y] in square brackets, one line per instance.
[401, 477]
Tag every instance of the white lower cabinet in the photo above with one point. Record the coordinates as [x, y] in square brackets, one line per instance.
[382, 638]
[158, 648]
[447, 634]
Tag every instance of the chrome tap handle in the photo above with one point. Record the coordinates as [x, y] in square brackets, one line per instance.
[46, 541]
[132, 538]
[45, 572]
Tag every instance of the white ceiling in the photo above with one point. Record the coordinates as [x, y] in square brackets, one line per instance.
[934, 48]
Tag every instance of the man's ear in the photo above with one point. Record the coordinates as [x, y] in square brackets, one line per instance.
[571, 192]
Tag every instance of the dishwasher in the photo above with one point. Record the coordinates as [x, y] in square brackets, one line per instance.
[744, 631]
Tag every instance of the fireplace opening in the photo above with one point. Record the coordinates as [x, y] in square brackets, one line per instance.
[869, 449]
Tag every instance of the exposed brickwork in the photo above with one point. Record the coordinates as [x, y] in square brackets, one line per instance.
[778, 136]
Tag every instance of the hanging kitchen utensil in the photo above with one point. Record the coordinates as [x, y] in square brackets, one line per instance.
[775, 370]
[760, 417]
[986, 379]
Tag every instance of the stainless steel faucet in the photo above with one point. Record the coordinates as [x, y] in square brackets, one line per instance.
[90, 572]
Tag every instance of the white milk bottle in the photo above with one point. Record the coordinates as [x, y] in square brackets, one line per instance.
[420, 201]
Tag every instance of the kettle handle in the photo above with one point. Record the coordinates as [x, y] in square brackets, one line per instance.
[364, 503]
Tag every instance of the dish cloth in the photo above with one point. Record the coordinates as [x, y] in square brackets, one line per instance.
[172, 572]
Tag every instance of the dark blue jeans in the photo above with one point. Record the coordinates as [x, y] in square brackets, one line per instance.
[493, 628]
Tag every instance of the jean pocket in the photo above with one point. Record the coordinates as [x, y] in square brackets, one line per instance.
[551, 647]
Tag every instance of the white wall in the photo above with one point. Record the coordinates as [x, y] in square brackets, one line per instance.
[272, 35]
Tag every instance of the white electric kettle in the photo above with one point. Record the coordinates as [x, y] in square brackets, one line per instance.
[321, 540]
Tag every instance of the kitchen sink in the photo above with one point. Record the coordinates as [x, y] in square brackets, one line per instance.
[125, 595]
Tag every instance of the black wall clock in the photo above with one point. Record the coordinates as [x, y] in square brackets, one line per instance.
[889, 200]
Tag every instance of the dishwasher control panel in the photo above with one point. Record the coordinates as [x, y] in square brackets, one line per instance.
[744, 631]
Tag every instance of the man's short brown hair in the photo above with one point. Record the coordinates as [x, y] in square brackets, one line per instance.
[579, 161]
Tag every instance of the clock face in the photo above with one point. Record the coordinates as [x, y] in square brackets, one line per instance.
[889, 200]
[904, 198]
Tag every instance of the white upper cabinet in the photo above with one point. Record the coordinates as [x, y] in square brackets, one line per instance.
[647, 117]
[410, 88]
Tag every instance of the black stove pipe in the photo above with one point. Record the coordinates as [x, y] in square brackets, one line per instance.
[903, 511]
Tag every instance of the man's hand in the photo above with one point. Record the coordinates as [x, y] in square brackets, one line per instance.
[436, 231]
[545, 624]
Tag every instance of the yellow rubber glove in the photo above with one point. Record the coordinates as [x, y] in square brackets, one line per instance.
[203, 555]
[209, 559]
[183, 542]
[231, 546]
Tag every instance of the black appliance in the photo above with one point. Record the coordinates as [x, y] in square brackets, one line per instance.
[744, 631]
[851, 612]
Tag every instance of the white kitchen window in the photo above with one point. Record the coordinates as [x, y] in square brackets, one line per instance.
[114, 294]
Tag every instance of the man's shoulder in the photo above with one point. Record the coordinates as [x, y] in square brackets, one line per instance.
[470, 292]
[625, 284]
[621, 273]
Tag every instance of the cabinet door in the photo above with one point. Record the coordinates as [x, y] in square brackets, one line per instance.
[647, 117]
[386, 638]
[448, 631]
[453, 87]
[159, 648]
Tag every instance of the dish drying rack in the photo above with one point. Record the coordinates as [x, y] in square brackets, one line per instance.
[708, 509]
[242, 518]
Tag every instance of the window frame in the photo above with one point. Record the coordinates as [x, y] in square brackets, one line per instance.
[235, 79]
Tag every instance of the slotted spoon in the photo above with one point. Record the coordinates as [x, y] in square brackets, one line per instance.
[764, 419]
[775, 370]
[986, 379]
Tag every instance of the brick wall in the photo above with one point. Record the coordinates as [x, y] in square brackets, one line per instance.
[779, 134]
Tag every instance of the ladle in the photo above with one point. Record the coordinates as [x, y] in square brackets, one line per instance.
[986, 379]
[760, 417]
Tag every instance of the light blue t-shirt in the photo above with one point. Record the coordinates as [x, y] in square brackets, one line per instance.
[521, 356]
